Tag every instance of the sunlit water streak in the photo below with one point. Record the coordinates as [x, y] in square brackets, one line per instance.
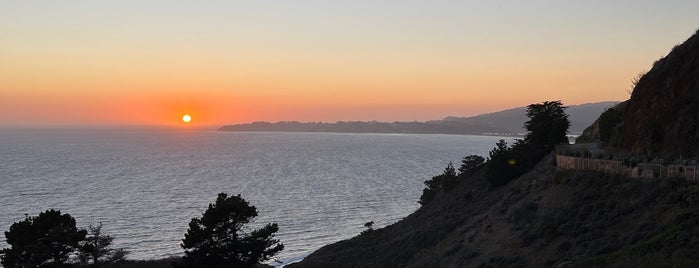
[146, 185]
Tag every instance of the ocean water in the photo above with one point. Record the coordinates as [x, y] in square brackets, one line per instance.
[146, 185]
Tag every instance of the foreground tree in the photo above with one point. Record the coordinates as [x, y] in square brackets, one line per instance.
[96, 249]
[219, 238]
[547, 126]
[47, 240]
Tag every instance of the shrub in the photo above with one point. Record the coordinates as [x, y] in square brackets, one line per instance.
[507, 163]
[445, 181]
[470, 163]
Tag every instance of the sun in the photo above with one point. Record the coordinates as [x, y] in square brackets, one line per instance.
[186, 118]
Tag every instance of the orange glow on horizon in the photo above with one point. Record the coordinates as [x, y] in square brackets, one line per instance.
[80, 63]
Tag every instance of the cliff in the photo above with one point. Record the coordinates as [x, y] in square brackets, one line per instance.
[662, 115]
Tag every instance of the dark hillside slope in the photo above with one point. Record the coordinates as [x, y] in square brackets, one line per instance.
[545, 218]
[662, 115]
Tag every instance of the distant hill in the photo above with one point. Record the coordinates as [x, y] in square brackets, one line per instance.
[512, 120]
[508, 122]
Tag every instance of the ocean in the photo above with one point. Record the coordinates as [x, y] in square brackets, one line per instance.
[145, 185]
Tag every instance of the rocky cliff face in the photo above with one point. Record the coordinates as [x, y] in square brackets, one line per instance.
[662, 116]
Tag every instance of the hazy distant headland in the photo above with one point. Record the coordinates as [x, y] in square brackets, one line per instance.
[502, 123]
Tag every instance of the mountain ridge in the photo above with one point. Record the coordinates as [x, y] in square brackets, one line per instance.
[507, 122]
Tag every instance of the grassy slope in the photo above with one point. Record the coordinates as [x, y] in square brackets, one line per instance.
[543, 219]
[163, 263]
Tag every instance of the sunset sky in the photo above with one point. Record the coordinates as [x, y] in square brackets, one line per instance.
[149, 62]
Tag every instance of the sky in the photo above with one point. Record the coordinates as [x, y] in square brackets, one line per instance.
[140, 62]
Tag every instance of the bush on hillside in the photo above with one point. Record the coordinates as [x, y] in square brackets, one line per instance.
[507, 162]
[469, 164]
[445, 181]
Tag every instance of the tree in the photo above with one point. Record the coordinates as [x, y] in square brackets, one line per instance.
[506, 163]
[96, 248]
[219, 238]
[547, 126]
[470, 163]
[445, 181]
[47, 240]
[607, 122]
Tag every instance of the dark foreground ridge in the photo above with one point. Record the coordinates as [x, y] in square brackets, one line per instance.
[545, 218]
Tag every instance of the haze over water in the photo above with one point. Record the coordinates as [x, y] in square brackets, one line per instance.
[146, 185]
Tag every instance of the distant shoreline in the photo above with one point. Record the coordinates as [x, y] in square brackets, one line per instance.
[508, 135]
[430, 127]
[506, 123]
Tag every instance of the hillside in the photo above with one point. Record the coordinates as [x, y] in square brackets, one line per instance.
[545, 218]
[556, 218]
[662, 115]
[506, 122]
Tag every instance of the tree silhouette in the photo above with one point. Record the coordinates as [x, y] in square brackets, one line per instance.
[43, 241]
[445, 181]
[470, 163]
[547, 126]
[219, 238]
[96, 248]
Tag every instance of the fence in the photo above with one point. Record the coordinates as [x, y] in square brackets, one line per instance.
[642, 170]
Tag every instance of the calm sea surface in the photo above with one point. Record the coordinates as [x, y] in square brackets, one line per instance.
[146, 185]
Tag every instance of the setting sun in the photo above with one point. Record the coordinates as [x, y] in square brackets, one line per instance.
[186, 118]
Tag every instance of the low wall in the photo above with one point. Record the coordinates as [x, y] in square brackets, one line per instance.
[642, 170]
